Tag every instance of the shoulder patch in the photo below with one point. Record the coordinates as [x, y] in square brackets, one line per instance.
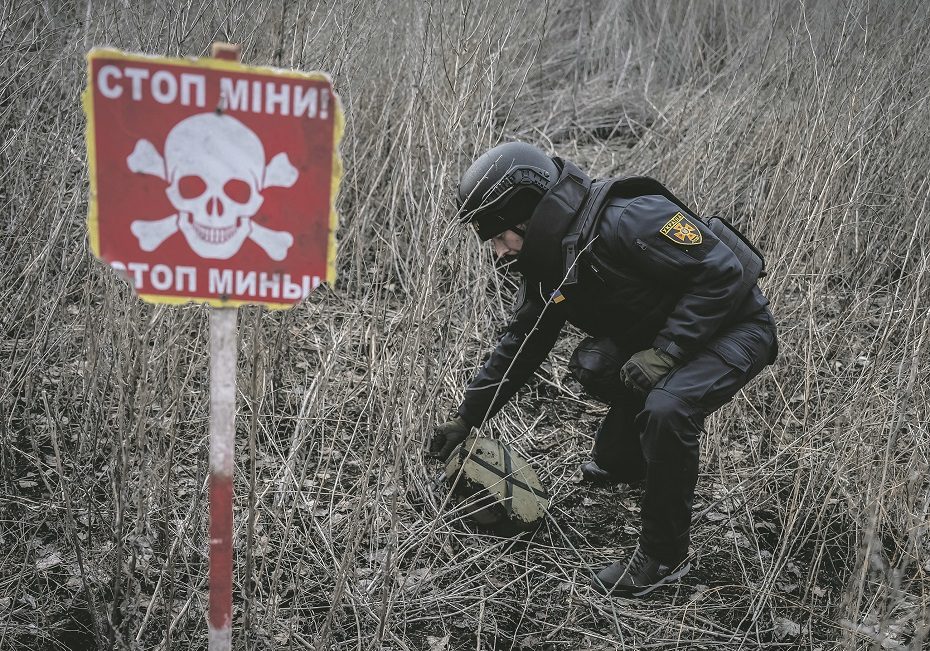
[680, 230]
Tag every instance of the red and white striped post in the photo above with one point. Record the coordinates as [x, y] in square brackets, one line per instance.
[223, 349]
[222, 446]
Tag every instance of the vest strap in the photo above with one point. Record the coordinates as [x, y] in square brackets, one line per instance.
[580, 231]
[550, 222]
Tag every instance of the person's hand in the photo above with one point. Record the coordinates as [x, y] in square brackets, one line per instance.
[644, 369]
[447, 436]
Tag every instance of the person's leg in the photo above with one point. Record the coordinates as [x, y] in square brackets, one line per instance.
[617, 450]
[617, 456]
[669, 426]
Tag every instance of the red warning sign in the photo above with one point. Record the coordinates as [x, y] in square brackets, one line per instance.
[212, 181]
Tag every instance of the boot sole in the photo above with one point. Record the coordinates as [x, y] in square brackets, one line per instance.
[671, 578]
[614, 591]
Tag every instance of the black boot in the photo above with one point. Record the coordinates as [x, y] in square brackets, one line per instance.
[639, 576]
[594, 474]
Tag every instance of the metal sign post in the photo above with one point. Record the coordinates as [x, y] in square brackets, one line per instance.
[223, 349]
[222, 446]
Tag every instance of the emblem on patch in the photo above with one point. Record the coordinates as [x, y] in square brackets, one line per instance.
[681, 231]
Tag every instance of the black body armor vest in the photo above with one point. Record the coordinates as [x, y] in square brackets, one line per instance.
[559, 252]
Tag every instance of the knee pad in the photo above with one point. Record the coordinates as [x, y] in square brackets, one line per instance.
[596, 364]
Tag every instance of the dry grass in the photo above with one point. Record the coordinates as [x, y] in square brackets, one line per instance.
[809, 124]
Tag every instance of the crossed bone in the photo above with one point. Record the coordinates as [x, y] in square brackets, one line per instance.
[151, 233]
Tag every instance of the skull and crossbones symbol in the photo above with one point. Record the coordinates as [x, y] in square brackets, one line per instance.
[216, 172]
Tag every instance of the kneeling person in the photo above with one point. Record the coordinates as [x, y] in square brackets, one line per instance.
[677, 327]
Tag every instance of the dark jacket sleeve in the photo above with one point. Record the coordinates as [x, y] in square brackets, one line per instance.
[532, 331]
[701, 267]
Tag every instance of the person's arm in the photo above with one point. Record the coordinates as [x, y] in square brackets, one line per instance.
[713, 288]
[532, 332]
[706, 270]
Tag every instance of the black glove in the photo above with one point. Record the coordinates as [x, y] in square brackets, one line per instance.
[447, 436]
[644, 369]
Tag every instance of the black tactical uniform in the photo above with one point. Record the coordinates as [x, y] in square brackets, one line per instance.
[648, 273]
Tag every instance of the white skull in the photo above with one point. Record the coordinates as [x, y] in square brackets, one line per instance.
[215, 168]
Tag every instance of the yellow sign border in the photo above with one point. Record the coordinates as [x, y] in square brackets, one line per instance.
[213, 64]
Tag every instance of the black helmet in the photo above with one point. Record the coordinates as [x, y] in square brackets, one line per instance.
[501, 189]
